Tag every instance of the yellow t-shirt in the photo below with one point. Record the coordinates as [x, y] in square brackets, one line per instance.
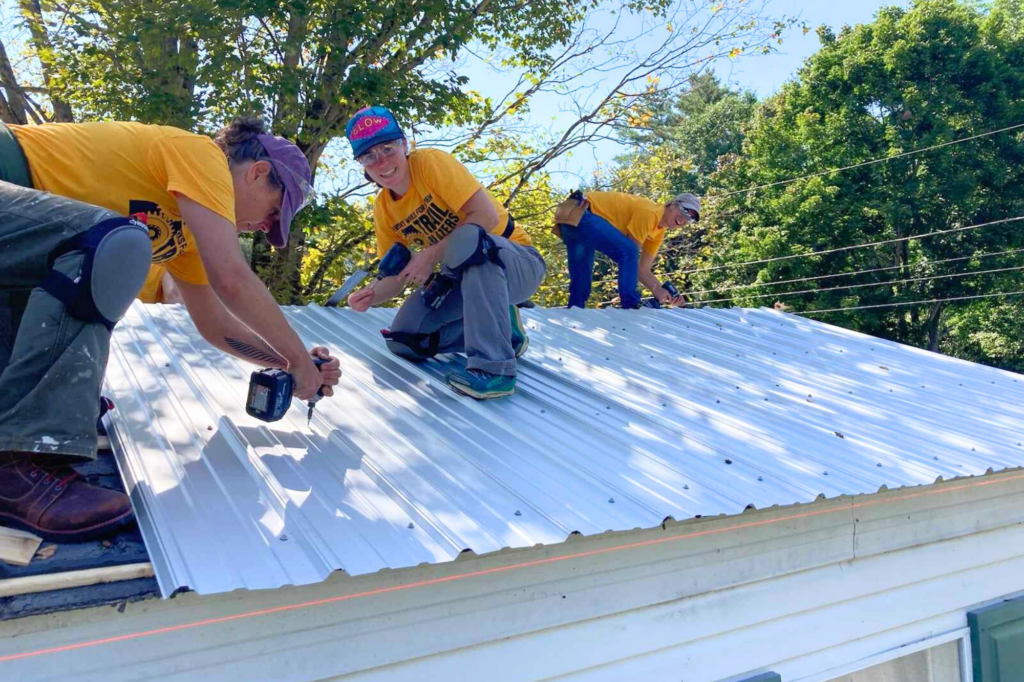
[634, 216]
[430, 210]
[133, 169]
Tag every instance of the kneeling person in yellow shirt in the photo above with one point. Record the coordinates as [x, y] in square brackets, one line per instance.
[431, 202]
[629, 230]
[72, 261]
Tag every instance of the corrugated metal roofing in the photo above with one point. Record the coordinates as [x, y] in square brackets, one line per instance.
[621, 419]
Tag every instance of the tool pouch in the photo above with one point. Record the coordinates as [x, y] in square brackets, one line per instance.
[570, 212]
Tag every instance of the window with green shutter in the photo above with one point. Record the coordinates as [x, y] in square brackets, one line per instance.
[997, 642]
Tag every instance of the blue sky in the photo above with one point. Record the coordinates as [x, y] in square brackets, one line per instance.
[762, 74]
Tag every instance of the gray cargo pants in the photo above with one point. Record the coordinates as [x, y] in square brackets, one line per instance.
[51, 364]
[474, 318]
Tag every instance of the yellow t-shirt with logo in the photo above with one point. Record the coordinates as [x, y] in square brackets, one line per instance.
[135, 169]
[636, 217]
[430, 210]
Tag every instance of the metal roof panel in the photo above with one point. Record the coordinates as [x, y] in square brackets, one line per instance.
[621, 419]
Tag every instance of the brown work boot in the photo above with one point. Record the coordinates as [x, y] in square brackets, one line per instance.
[53, 502]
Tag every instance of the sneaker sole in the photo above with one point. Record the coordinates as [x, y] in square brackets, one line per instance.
[80, 535]
[466, 390]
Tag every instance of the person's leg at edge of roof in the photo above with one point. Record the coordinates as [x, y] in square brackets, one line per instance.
[53, 365]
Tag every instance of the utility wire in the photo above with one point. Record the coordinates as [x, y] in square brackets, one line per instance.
[866, 163]
[892, 305]
[852, 247]
[870, 284]
[837, 249]
[759, 285]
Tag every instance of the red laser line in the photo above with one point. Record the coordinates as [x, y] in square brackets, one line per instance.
[491, 571]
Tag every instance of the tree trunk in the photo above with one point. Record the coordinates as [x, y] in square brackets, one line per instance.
[32, 11]
[16, 109]
[935, 327]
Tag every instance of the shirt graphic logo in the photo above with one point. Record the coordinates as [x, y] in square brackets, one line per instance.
[428, 224]
[165, 232]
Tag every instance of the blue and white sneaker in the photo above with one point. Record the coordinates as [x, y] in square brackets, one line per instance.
[481, 385]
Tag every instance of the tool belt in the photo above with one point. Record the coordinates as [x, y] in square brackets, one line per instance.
[570, 212]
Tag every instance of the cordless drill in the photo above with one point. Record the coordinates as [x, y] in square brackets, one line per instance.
[668, 286]
[270, 394]
[394, 261]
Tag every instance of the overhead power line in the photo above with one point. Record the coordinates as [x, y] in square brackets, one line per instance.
[883, 159]
[905, 303]
[870, 284]
[853, 247]
[759, 285]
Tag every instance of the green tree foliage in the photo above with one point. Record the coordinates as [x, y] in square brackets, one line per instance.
[914, 78]
[698, 127]
[307, 66]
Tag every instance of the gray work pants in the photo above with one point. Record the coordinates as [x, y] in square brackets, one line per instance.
[51, 363]
[474, 318]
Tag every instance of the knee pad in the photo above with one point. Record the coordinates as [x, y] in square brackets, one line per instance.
[116, 257]
[467, 246]
[412, 346]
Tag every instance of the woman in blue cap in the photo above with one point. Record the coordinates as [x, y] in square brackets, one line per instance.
[72, 260]
[430, 203]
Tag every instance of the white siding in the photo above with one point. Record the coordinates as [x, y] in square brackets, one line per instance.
[780, 589]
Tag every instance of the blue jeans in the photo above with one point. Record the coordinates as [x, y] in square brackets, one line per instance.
[597, 234]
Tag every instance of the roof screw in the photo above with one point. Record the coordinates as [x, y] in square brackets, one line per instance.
[879, 465]
[607, 407]
[167, 364]
[936, 457]
[973, 450]
[760, 478]
[839, 434]
[518, 513]
[543, 411]
[686, 487]
[209, 428]
[666, 405]
[826, 473]
[410, 526]
[611, 500]
[718, 401]
[284, 538]
[728, 461]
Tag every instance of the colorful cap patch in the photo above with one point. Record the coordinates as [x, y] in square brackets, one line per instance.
[371, 126]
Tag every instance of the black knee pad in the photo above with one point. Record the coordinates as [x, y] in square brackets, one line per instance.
[412, 346]
[467, 246]
[116, 257]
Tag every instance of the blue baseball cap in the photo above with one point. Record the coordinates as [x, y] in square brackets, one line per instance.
[371, 126]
